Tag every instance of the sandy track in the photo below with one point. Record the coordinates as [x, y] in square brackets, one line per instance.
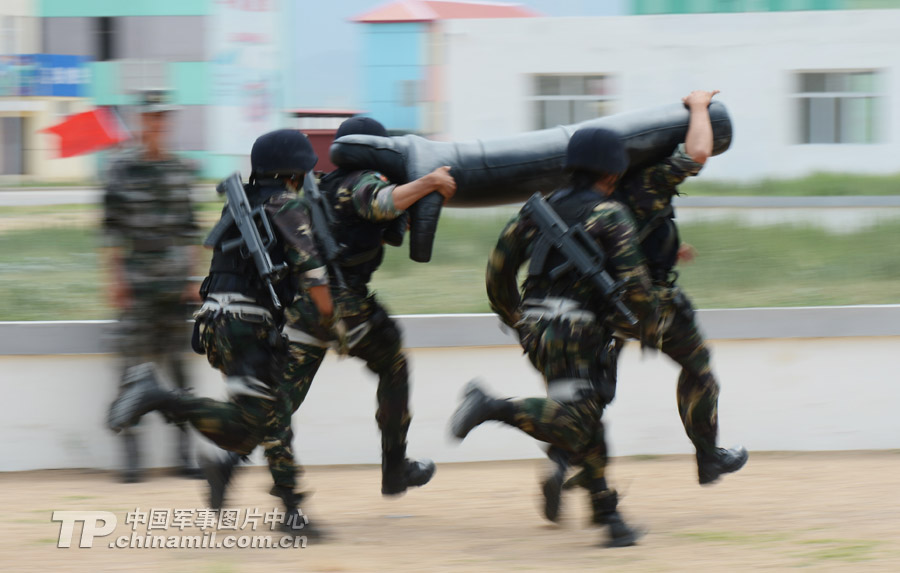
[820, 511]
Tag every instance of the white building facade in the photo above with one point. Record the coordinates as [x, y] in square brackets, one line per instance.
[807, 91]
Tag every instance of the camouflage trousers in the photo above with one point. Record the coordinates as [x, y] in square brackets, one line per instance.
[377, 342]
[255, 350]
[567, 348]
[154, 329]
[698, 390]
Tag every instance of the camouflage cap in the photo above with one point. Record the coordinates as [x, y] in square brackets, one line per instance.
[155, 100]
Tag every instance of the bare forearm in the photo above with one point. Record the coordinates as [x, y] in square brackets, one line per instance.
[321, 297]
[699, 140]
[405, 195]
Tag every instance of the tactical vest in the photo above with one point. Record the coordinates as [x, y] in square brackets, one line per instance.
[230, 272]
[573, 207]
[657, 237]
[659, 242]
[360, 240]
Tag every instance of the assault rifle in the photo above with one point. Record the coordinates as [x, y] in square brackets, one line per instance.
[249, 222]
[579, 249]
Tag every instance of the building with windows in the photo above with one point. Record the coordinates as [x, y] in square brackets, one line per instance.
[402, 51]
[37, 90]
[808, 91]
[223, 59]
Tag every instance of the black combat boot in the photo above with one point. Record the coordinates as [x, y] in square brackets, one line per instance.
[710, 467]
[218, 469]
[399, 472]
[604, 505]
[476, 408]
[140, 393]
[296, 522]
[553, 483]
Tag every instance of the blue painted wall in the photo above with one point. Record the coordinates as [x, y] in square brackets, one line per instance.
[394, 56]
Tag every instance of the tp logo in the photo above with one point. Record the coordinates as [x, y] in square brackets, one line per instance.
[91, 529]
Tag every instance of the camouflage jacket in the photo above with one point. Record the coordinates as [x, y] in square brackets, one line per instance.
[363, 206]
[368, 195]
[149, 215]
[611, 225]
[648, 193]
[650, 190]
[290, 219]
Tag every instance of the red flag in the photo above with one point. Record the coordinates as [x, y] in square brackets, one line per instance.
[87, 132]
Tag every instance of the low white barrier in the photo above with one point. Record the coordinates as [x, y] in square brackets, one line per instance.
[792, 379]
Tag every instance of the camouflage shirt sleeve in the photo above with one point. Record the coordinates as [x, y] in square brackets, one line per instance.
[290, 218]
[613, 225]
[189, 173]
[503, 266]
[113, 204]
[652, 188]
[372, 196]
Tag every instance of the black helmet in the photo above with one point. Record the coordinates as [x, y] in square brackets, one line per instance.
[596, 150]
[360, 125]
[283, 151]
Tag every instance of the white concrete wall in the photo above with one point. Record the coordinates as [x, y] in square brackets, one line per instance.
[656, 60]
[777, 394]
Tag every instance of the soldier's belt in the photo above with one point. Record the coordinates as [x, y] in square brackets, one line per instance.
[237, 305]
[555, 307]
[353, 336]
[300, 337]
[569, 389]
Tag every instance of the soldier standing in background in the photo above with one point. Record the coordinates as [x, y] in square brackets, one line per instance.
[151, 249]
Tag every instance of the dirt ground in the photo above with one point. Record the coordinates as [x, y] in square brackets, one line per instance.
[819, 511]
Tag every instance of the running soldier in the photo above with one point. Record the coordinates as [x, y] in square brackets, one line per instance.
[563, 318]
[238, 326]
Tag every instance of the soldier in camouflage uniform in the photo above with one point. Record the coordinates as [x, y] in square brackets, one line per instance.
[648, 194]
[560, 322]
[152, 236]
[238, 326]
[369, 210]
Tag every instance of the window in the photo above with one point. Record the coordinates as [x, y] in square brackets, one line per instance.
[106, 31]
[70, 36]
[837, 107]
[562, 100]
